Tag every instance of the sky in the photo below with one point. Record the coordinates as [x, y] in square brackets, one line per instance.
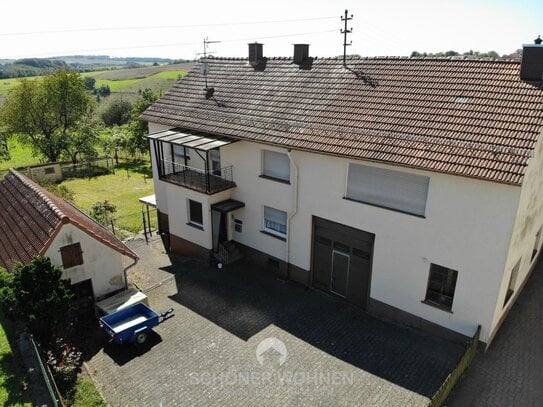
[176, 29]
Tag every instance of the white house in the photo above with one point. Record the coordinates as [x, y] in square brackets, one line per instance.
[34, 222]
[410, 187]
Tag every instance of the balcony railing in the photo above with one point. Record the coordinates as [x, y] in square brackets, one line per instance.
[209, 182]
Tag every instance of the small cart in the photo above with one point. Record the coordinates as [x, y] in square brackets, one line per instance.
[132, 324]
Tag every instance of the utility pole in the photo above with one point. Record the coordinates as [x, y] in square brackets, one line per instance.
[346, 31]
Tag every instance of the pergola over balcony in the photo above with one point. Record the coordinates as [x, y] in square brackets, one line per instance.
[209, 179]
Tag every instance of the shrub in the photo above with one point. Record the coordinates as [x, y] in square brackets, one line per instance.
[64, 361]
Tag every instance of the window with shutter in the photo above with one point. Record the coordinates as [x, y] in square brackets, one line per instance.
[390, 189]
[275, 166]
[71, 255]
[275, 222]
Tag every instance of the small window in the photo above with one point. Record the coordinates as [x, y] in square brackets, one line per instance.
[275, 222]
[512, 283]
[276, 165]
[536, 244]
[441, 286]
[49, 170]
[71, 255]
[195, 213]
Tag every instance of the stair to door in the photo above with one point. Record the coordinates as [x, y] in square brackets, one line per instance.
[229, 253]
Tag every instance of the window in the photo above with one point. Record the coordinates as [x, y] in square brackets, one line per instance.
[387, 188]
[441, 285]
[49, 170]
[180, 153]
[71, 255]
[536, 243]
[275, 165]
[275, 222]
[195, 213]
[512, 282]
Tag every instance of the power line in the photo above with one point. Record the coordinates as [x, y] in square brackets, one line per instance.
[157, 27]
[176, 44]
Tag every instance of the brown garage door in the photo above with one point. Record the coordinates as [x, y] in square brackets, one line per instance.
[341, 261]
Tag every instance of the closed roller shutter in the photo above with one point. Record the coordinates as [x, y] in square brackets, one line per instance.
[387, 188]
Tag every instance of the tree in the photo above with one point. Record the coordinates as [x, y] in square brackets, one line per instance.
[43, 111]
[83, 140]
[4, 150]
[103, 212]
[89, 82]
[117, 112]
[116, 139]
[138, 128]
[38, 296]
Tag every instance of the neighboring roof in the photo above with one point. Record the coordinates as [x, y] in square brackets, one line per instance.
[472, 118]
[31, 217]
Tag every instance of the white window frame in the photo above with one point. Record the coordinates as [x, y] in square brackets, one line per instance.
[189, 213]
[271, 223]
[278, 172]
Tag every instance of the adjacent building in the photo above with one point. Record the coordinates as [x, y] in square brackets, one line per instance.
[409, 187]
[34, 222]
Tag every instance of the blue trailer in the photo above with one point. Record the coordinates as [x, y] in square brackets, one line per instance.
[132, 324]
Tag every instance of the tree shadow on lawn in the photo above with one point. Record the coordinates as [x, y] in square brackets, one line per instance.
[137, 166]
[11, 369]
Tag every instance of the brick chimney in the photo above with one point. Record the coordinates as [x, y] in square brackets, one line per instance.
[255, 53]
[301, 53]
[531, 67]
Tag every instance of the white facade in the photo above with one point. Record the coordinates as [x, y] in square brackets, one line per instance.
[475, 227]
[101, 263]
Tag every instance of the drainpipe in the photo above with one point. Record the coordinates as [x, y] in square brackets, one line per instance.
[125, 272]
[293, 213]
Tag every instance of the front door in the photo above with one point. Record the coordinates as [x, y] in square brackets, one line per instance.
[340, 273]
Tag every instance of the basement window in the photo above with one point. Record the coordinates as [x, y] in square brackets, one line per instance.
[441, 287]
[71, 255]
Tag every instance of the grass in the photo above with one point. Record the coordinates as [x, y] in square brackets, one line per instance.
[86, 394]
[21, 156]
[12, 383]
[130, 182]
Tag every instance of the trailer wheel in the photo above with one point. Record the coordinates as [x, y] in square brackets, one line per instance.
[140, 338]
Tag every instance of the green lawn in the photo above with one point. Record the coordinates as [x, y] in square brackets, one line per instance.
[12, 391]
[130, 182]
[21, 156]
[86, 395]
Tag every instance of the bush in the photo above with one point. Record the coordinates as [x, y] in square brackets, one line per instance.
[117, 113]
[64, 361]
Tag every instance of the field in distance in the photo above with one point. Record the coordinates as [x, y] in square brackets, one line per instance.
[125, 81]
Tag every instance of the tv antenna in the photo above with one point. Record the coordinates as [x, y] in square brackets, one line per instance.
[204, 68]
[346, 31]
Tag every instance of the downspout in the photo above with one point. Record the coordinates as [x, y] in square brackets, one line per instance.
[293, 213]
[125, 272]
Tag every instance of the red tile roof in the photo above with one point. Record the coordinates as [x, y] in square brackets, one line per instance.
[30, 218]
[472, 118]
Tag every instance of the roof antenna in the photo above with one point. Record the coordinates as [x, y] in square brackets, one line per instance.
[346, 31]
[204, 68]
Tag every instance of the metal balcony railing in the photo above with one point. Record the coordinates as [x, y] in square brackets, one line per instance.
[209, 182]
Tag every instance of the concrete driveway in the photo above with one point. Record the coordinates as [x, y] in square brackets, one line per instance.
[242, 337]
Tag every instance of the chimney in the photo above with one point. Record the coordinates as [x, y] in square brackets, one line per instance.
[255, 53]
[531, 67]
[301, 53]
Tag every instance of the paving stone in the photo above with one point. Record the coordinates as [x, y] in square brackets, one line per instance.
[206, 354]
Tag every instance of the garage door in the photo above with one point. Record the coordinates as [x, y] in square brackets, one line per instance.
[341, 260]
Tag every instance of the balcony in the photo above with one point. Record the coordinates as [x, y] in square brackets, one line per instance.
[208, 182]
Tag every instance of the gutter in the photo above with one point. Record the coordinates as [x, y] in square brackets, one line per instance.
[125, 272]
[294, 212]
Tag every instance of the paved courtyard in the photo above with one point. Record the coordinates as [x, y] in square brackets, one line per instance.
[215, 350]
[510, 373]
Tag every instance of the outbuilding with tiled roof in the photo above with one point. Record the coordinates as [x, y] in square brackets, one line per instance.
[34, 222]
